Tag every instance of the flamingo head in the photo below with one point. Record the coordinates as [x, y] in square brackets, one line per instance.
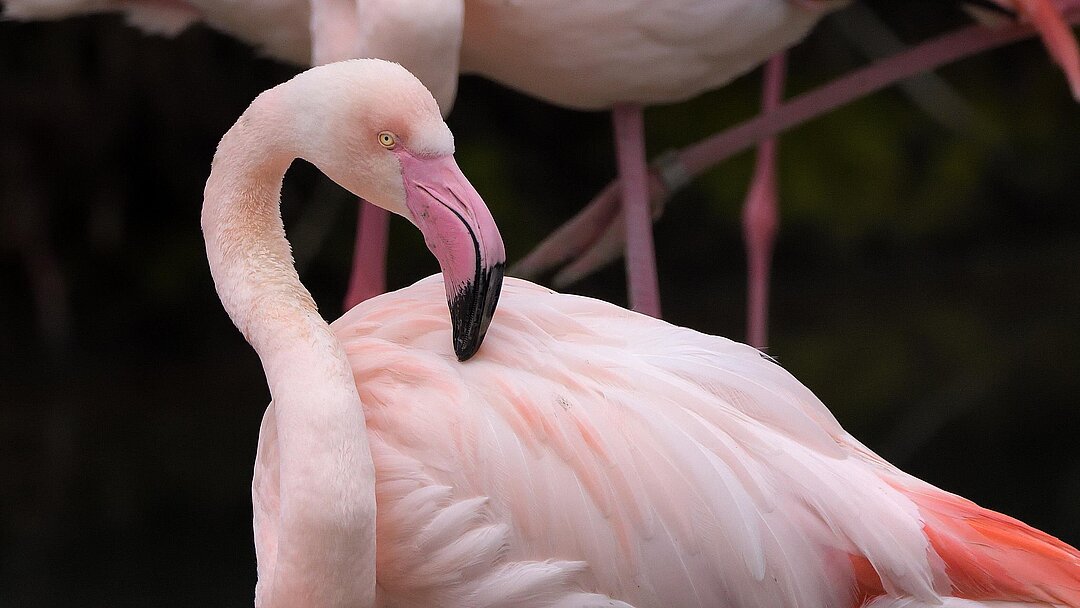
[373, 128]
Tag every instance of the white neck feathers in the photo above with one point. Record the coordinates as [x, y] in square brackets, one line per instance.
[326, 524]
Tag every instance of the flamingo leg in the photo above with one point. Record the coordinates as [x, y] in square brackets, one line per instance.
[592, 238]
[368, 278]
[642, 285]
[761, 213]
[1056, 35]
[697, 158]
[574, 237]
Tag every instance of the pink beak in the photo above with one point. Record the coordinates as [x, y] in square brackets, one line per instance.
[460, 232]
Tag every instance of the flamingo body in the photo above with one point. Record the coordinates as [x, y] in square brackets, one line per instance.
[586, 55]
[586, 456]
[589, 454]
[593, 55]
[278, 28]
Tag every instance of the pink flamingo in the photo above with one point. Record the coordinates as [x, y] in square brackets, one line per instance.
[586, 56]
[583, 56]
[563, 64]
[586, 456]
[622, 57]
[595, 236]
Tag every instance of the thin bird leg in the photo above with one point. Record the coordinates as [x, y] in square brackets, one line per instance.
[761, 213]
[592, 238]
[574, 237]
[605, 248]
[368, 278]
[642, 285]
[1056, 35]
[930, 55]
[694, 160]
[931, 93]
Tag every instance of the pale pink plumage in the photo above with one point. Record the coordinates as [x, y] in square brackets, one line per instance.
[588, 448]
[587, 456]
[375, 130]
[586, 55]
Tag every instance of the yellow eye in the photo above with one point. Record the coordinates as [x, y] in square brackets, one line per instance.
[387, 140]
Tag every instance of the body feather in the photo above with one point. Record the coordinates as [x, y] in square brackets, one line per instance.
[589, 452]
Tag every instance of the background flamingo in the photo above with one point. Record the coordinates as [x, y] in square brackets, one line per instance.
[586, 457]
[595, 235]
[579, 56]
[933, 307]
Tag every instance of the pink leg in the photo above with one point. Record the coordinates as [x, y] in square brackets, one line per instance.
[761, 214]
[695, 159]
[643, 287]
[368, 277]
[591, 239]
[929, 55]
[572, 238]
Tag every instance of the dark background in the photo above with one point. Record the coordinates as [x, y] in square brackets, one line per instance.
[927, 284]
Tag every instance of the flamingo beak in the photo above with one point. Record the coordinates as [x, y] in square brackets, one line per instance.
[1056, 34]
[460, 232]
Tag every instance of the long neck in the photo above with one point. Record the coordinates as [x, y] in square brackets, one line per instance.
[326, 527]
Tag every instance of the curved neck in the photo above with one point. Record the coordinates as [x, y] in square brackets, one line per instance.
[326, 519]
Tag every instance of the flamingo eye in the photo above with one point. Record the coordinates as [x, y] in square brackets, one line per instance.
[387, 140]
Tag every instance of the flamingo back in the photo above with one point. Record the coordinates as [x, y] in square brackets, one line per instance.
[591, 452]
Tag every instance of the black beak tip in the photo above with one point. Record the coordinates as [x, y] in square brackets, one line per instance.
[472, 309]
[465, 346]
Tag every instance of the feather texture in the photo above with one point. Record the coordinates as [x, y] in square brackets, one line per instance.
[590, 450]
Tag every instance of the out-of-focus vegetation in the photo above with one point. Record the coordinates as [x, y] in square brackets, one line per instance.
[926, 287]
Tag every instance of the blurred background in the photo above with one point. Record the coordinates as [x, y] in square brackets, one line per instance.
[927, 283]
